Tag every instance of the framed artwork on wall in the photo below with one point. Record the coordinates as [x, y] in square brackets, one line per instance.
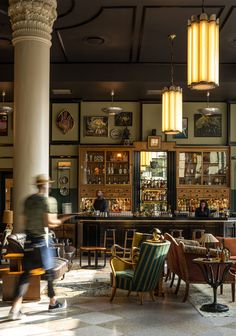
[123, 119]
[65, 120]
[3, 125]
[207, 125]
[154, 142]
[184, 133]
[96, 126]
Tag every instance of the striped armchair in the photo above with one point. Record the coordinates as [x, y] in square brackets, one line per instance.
[143, 276]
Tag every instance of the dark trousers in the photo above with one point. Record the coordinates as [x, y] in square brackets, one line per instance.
[36, 254]
[24, 284]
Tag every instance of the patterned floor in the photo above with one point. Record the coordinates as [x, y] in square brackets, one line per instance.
[95, 315]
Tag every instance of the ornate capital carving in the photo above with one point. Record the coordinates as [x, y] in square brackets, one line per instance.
[32, 18]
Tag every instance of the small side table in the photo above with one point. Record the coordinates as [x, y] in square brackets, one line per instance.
[215, 272]
[95, 250]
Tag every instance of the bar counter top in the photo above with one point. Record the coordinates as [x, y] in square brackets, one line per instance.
[91, 228]
[151, 219]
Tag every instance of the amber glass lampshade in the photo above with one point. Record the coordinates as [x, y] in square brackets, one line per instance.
[203, 52]
[172, 110]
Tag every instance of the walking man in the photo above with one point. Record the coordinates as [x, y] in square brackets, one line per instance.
[40, 213]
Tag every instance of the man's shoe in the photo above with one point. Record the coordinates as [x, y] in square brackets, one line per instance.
[16, 315]
[57, 306]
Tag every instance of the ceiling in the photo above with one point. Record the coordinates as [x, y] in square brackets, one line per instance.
[100, 45]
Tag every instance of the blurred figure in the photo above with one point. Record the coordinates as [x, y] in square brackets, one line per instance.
[202, 210]
[40, 214]
[100, 202]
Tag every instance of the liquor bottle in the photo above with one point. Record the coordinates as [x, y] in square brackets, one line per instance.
[99, 181]
[112, 169]
[108, 169]
[125, 170]
[120, 170]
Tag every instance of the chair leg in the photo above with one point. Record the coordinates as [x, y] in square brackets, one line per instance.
[128, 294]
[233, 291]
[141, 297]
[221, 289]
[172, 280]
[113, 293]
[152, 296]
[177, 287]
[186, 292]
[167, 275]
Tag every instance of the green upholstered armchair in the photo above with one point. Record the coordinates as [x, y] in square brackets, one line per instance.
[143, 276]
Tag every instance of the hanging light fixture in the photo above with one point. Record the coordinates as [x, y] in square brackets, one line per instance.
[203, 51]
[4, 110]
[209, 110]
[112, 110]
[172, 102]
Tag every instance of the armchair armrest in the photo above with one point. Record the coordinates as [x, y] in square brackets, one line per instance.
[120, 264]
[116, 247]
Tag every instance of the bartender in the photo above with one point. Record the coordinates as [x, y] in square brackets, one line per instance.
[100, 202]
[202, 210]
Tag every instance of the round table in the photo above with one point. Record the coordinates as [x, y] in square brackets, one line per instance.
[215, 273]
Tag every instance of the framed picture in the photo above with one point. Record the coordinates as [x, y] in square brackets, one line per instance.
[96, 126]
[123, 119]
[154, 142]
[184, 133]
[3, 125]
[65, 122]
[207, 125]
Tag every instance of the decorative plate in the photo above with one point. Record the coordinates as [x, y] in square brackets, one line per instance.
[64, 191]
[115, 133]
[63, 179]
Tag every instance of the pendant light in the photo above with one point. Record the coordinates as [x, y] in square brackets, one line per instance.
[203, 51]
[4, 110]
[112, 110]
[208, 110]
[172, 102]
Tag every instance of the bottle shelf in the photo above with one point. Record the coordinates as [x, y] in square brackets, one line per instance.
[153, 189]
[154, 201]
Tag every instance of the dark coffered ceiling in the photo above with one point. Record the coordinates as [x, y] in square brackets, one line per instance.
[99, 45]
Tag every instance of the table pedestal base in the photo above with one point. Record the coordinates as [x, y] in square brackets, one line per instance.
[214, 308]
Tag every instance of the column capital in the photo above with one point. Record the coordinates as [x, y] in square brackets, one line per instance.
[32, 18]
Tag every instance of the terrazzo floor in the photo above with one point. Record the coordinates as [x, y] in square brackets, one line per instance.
[96, 316]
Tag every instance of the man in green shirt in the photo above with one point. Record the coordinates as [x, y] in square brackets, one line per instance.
[40, 212]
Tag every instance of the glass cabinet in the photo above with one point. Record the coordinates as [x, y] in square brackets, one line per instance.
[203, 168]
[203, 174]
[109, 170]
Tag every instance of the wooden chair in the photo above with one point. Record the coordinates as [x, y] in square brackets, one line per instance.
[138, 238]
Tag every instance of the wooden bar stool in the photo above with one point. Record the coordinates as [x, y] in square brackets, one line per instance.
[129, 234]
[197, 234]
[177, 233]
[109, 239]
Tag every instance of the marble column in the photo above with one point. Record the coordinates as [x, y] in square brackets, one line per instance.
[32, 23]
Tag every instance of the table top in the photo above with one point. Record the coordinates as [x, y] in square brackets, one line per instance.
[213, 261]
[92, 248]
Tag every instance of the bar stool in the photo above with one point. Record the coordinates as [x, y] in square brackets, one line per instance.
[177, 233]
[197, 234]
[129, 234]
[109, 239]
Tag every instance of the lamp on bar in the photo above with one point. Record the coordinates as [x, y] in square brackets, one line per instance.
[203, 51]
[172, 103]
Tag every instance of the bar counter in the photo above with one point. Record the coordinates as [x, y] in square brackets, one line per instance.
[90, 230]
